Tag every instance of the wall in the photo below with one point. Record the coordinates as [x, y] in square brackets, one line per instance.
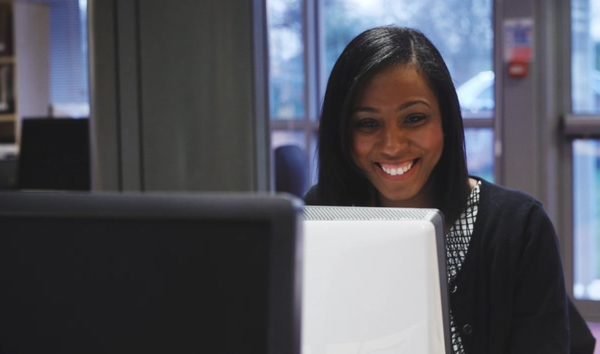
[32, 45]
[179, 95]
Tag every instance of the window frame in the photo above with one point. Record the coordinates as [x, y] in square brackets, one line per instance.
[316, 81]
[573, 126]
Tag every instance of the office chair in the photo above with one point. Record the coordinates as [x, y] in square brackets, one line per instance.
[54, 154]
[291, 170]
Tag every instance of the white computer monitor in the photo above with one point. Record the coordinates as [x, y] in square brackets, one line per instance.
[374, 281]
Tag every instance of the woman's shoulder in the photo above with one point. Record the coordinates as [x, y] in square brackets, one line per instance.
[510, 222]
[504, 208]
[501, 196]
[312, 196]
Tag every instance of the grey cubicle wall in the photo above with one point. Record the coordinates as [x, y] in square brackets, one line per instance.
[179, 98]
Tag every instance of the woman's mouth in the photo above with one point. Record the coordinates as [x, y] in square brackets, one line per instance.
[397, 169]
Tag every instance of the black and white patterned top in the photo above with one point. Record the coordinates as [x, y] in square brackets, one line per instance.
[457, 246]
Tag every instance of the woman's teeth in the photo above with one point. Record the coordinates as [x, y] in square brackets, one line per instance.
[397, 170]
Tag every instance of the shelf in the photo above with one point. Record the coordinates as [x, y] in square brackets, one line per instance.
[8, 117]
[7, 59]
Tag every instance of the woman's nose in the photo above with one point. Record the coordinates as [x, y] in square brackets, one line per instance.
[394, 140]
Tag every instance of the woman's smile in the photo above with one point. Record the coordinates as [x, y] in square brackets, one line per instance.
[397, 169]
[400, 169]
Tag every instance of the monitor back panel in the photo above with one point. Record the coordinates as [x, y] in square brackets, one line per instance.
[141, 274]
[374, 281]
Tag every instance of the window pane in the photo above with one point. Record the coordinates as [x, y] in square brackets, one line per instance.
[461, 30]
[585, 56]
[480, 152]
[286, 59]
[69, 58]
[586, 218]
[288, 137]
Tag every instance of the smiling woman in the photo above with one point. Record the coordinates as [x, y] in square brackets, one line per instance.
[397, 136]
[385, 95]
[391, 135]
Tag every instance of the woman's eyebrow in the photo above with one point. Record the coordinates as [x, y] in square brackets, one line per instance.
[401, 107]
[364, 109]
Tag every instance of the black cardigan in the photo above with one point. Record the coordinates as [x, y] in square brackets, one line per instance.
[509, 296]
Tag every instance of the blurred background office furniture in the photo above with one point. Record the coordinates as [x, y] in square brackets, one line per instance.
[8, 170]
[291, 170]
[54, 154]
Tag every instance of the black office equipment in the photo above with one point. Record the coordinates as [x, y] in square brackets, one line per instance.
[291, 170]
[126, 273]
[54, 154]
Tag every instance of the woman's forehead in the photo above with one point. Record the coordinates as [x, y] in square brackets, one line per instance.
[395, 83]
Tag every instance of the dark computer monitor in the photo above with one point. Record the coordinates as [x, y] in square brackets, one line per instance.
[141, 273]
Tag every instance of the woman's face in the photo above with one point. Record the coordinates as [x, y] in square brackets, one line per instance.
[397, 136]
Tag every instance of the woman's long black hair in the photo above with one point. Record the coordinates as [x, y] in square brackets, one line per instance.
[341, 182]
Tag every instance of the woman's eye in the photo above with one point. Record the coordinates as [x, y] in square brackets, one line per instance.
[366, 124]
[415, 119]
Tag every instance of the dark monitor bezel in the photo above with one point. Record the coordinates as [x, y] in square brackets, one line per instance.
[281, 212]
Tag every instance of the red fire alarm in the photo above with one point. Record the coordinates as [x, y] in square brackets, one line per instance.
[518, 46]
[518, 69]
